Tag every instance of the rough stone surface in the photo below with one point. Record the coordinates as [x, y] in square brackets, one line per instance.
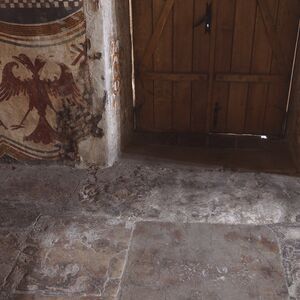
[179, 193]
[200, 261]
[65, 233]
[67, 255]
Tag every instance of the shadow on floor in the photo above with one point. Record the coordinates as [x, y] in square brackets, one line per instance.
[229, 152]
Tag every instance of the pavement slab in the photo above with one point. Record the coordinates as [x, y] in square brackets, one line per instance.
[200, 261]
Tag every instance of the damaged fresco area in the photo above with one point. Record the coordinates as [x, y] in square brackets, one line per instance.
[45, 89]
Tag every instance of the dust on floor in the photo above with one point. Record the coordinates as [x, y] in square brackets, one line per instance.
[68, 233]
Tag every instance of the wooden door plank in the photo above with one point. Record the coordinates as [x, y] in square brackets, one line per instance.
[162, 63]
[286, 26]
[201, 53]
[212, 57]
[261, 63]
[183, 51]
[142, 31]
[224, 37]
[158, 30]
[273, 36]
[241, 63]
[293, 8]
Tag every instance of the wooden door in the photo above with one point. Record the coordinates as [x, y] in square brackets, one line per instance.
[213, 66]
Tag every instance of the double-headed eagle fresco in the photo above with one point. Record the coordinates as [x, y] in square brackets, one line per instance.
[39, 92]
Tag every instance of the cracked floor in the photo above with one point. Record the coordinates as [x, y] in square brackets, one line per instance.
[148, 230]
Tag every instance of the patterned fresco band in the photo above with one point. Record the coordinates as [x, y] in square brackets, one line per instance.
[37, 11]
[40, 3]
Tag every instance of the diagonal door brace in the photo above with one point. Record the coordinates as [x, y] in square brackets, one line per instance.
[153, 43]
[273, 37]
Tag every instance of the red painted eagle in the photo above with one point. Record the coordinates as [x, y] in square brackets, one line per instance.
[38, 91]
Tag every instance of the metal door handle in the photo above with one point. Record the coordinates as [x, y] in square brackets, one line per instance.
[207, 19]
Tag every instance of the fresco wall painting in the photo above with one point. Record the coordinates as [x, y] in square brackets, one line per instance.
[43, 51]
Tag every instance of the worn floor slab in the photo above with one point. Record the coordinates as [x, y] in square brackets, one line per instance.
[16, 222]
[199, 261]
[138, 189]
[70, 257]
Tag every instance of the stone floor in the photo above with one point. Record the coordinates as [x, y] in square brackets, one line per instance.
[67, 233]
[201, 261]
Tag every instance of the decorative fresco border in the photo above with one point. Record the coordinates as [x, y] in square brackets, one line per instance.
[45, 44]
[35, 38]
[40, 4]
[48, 29]
[28, 12]
[21, 152]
